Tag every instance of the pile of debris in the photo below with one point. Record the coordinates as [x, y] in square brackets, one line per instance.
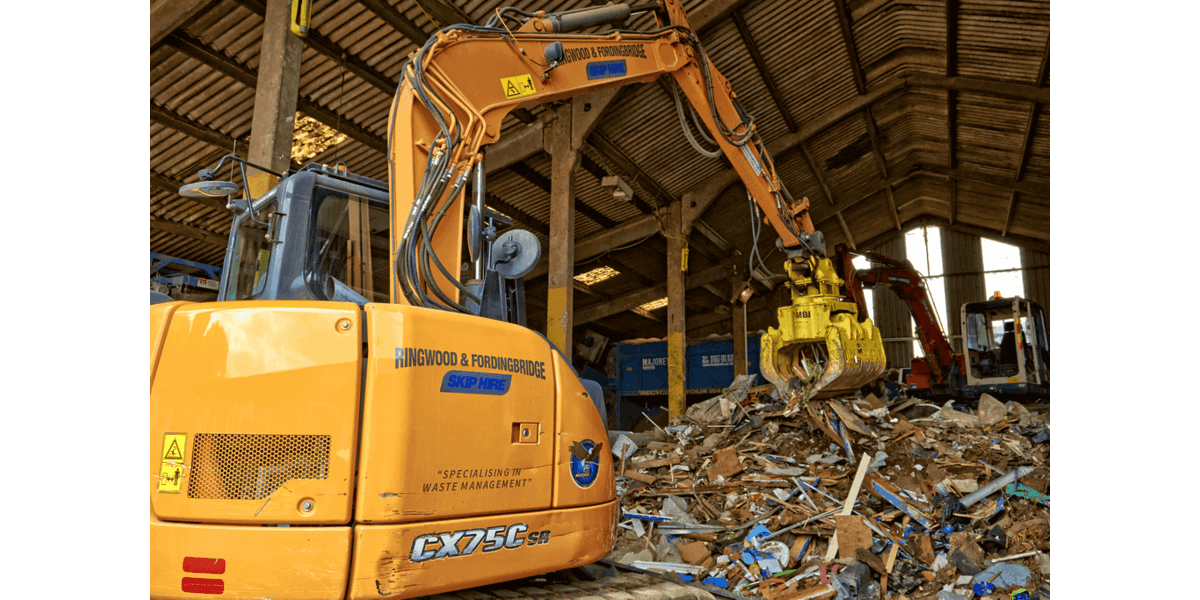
[852, 498]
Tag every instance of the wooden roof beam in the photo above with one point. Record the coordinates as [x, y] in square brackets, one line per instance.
[194, 129]
[1023, 154]
[860, 81]
[218, 61]
[881, 161]
[168, 15]
[1028, 243]
[531, 175]
[863, 192]
[761, 65]
[396, 19]
[635, 229]
[517, 215]
[812, 166]
[951, 71]
[442, 13]
[593, 312]
[600, 173]
[188, 231]
[336, 53]
[614, 155]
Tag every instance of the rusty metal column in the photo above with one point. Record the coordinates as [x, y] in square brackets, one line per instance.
[560, 303]
[274, 99]
[741, 366]
[677, 232]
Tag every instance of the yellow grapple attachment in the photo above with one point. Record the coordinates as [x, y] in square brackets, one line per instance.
[820, 348]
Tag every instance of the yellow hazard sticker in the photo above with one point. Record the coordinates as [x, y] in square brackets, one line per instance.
[171, 473]
[1014, 379]
[518, 87]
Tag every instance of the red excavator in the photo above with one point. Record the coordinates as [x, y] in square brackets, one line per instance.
[1007, 341]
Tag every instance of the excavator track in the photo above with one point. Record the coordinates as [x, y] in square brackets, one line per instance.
[624, 585]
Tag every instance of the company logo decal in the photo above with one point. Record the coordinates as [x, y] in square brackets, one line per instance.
[469, 382]
[585, 462]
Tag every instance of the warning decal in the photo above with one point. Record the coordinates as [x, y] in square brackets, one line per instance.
[171, 472]
[518, 87]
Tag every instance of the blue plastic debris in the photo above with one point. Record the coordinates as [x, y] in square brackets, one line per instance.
[900, 505]
[720, 582]
[652, 518]
[1021, 594]
[756, 533]
[983, 588]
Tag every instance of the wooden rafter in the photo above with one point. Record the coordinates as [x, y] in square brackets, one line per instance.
[863, 192]
[531, 175]
[396, 19]
[952, 95]
[600, 173]
[860, 81]
[1026, 142]
[812, 166]
[763, 72]
[614, 155]
[188, 231]
[881, 162]
[192, 128]
[218, 61]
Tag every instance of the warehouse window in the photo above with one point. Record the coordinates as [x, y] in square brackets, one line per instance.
[861, 264]
[924, 250]
[1002, 269]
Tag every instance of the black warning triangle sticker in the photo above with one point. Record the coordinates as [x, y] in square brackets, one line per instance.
[511, 90]
[173, 452]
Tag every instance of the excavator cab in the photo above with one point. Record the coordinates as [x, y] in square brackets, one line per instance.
[322, 234]
[1008, 347]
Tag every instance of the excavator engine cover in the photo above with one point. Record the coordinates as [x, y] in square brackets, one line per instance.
[820, 348]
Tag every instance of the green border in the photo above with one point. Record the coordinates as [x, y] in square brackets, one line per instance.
[1123, 234]
[77, 82]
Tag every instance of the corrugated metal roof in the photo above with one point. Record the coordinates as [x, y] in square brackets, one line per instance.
[803, 48]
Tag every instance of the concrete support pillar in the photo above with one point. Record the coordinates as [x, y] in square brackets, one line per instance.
[741, 365]
[560, 302]
[274, 99]
[677, 233]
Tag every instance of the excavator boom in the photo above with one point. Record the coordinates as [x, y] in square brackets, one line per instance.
[455, 93]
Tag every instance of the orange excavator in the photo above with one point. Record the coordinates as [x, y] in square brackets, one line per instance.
[349, 420]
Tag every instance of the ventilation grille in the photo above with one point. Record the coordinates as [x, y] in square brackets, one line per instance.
[237, 466]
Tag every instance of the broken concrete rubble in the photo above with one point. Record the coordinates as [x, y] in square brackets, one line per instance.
[754, 499]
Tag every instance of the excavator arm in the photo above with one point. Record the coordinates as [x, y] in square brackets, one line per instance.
[909, 286]
[455, 93]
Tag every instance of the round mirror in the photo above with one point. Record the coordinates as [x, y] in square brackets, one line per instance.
[516, 253]
[474, 235]
[209, 189]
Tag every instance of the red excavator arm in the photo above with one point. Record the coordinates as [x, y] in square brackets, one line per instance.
[908, 285]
